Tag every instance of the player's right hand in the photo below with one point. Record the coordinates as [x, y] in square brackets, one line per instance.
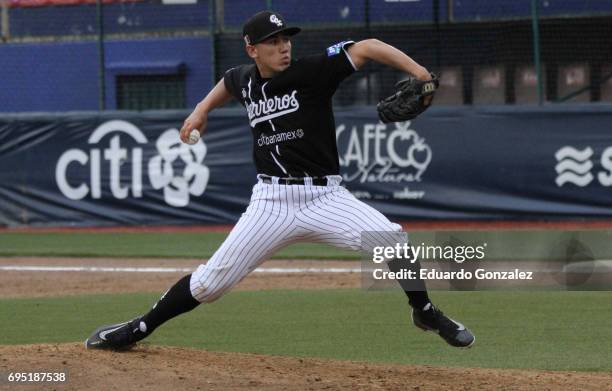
[194, 121]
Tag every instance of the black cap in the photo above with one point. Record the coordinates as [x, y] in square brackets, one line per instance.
[265, 24]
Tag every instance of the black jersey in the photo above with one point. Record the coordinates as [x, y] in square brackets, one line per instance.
[291, 115]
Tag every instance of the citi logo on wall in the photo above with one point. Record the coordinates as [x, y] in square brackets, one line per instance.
[575, 166]
[177, 184]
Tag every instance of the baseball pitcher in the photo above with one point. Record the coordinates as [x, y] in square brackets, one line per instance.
[298, 195]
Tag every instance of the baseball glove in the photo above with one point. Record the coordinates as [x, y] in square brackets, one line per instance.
[409, 100]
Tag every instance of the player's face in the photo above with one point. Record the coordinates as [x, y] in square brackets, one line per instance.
[273, 55]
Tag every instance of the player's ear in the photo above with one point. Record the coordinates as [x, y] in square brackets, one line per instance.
[251, 51]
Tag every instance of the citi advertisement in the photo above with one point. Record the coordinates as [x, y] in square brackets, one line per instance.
[89, 169]
[177, 184]
[118, 169]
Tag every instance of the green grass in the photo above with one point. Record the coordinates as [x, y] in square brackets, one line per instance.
[149, 245]
[545, 330]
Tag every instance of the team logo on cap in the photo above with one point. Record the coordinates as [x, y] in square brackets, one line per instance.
[274, 19]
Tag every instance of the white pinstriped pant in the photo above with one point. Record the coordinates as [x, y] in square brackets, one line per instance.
[279, 215]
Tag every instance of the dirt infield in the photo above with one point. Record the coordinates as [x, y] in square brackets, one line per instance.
[165, 368]
[161, 368]
[46, 284]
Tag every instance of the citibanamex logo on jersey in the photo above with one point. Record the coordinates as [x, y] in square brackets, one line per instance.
[384, 153]
[176, 169]
[575, 166]
[279, 137]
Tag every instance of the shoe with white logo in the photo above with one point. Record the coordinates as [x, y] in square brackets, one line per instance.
[120, 336]
[432, 319]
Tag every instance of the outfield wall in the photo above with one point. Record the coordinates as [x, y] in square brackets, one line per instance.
[161, 56]
[126, 168]
[63, 76]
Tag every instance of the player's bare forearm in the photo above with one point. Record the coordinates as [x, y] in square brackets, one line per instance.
[378, 51]
[217, 97]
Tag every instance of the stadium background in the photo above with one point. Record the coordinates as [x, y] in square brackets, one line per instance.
[519, 130]
[80, 79]
[158, 55]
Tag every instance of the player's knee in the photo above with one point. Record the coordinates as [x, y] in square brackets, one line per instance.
[208, 296]
[209, 292]
[207, 284]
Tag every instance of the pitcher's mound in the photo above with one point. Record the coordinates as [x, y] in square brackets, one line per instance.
[164, 368]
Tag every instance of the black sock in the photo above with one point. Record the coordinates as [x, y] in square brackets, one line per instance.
[176, 301]
[414, 289]
[418, 299]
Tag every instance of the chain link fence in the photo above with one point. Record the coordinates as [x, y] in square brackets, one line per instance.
[486, 51]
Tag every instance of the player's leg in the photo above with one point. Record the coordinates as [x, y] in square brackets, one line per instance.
[265, 227]
[339, 219]
[260, 233]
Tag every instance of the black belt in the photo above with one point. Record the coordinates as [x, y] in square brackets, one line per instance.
[316, 181]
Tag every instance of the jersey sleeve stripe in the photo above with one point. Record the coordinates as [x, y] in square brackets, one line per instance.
[347, 53]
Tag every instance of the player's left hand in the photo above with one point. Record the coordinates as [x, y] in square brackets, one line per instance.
[413, 97]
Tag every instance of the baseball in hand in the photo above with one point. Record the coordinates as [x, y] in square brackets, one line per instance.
[194, 137]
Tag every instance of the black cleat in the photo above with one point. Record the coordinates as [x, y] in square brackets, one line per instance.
[432, 319]
[120, 336]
